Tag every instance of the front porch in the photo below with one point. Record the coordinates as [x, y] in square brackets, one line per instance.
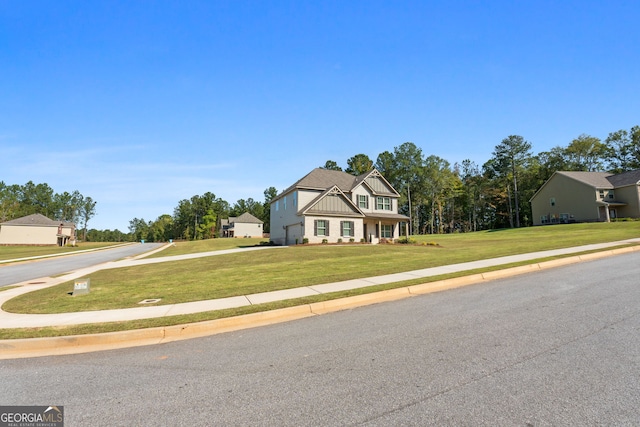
[387, 227]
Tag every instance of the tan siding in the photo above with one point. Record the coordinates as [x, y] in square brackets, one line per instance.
[247, 230]
[631, 196]
[571, 197]
[28, 235]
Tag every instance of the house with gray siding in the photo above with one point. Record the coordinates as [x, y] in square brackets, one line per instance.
[332, 206]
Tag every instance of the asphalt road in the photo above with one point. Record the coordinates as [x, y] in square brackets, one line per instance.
[559, 347]
[22, 271]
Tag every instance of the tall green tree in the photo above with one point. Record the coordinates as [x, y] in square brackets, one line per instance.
[249, 205]
[162, 229]
[269, 194]
[586, 153]
[473, 196]
[442, 186]
[331, 165]
[359, 164]
[552, 161]
[68, 206]
[190, 214]
[385, 164]
[623, 150]
[36, 198]
[9, 201]
[207, 226]
[87, 211]
[139, 229]
[409, 176]
[510, 157]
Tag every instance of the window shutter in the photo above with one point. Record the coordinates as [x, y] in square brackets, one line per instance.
[342, 228]
[352, 230]
[315, 227]
[326, 228]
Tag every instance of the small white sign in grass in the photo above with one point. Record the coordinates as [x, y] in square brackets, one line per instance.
[81, 286]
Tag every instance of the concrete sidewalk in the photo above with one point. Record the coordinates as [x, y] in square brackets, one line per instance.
[11, 320]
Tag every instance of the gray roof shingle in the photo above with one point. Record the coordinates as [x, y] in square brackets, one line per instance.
[247, 218]
[625, 178]
[36, 219]
[594, 179]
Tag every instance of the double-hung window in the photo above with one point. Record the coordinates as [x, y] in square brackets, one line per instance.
[321, 227]
[363, 201]
[346, 228]
[383, 203]
[386, 231]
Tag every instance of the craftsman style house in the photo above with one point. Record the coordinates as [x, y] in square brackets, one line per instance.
[587, 196]
[332, 206]
[37, 229]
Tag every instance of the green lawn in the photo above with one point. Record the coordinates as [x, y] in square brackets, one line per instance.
[296, 266]
[184, 247]
[282, 268]
[16, 252]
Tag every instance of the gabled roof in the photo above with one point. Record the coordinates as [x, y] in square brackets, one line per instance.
[593, 179]
[323, 179]
[247, 218]
[625, 178]
[36, 220]
[375, 174]
[598, 180]
[335, 190]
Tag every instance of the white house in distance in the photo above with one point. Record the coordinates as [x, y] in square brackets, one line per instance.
[37, 229]
[328, 205]
[245, 225]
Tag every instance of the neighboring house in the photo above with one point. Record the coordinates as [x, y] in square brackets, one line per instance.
[37, 229]
[328, 205]
[587, 196]
[246, 225]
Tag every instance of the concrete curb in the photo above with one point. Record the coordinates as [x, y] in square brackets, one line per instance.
[38, 347]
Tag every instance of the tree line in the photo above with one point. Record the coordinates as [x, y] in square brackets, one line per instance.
[199, 218]
[442, 198]
[438, 197]
[17, 201]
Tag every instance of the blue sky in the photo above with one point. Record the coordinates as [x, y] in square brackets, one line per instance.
[142, 104]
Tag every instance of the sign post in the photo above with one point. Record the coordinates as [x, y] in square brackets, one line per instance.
[81, 286]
